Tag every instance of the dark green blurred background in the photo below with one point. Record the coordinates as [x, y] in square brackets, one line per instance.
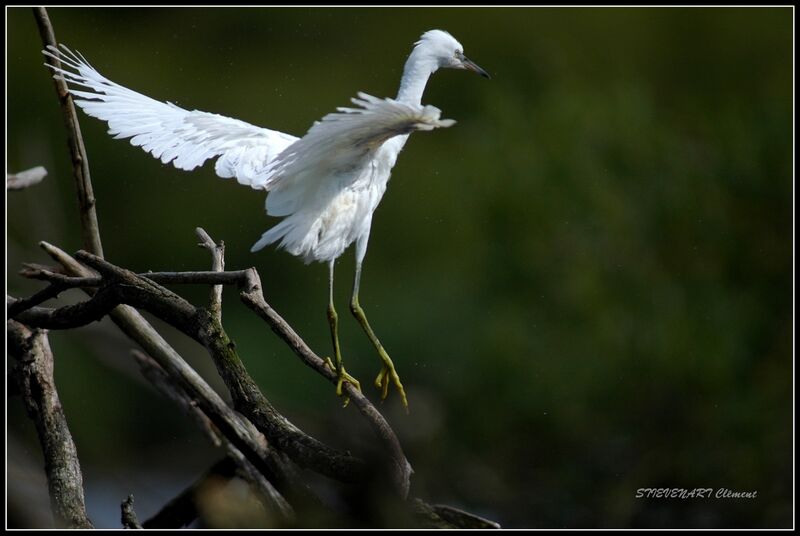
[586, 284]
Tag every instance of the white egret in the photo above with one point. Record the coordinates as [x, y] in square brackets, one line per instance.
[325, 185]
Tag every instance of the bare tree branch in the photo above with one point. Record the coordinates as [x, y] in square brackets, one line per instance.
[58, 284]
[217, 265]
[247, 397]
[25, 179]
[70, 265]
[252, 296]
[229, 424]
[44, 273]
[17, 306]
[34, 377]
[123, 286]
[80, 162]
[140, 331]
[237, 277]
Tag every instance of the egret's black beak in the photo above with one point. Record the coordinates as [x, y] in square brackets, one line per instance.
[472, 66]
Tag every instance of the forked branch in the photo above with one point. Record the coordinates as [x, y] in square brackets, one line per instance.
[142, 292]
[121, 286]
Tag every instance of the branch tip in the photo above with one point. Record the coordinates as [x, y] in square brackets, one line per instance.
[129, 519]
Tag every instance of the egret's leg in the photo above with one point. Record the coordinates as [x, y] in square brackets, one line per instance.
[388, 372]
[333, 321]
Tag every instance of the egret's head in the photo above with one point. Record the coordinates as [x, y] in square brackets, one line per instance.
[446, 53]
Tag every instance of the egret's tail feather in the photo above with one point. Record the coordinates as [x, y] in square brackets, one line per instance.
[272, 235]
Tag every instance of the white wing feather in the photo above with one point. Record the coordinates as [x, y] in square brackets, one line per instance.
[339, 145]
[343, 140]
[335, 153]
[170, 133]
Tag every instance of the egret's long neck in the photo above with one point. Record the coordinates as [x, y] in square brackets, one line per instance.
[418, 69]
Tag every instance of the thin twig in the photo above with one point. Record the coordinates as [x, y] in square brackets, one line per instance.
[17, 306]
[25, 179]
[217, 265]
[34, 377]
[43, 273]
[70, 265]
[447, 517]
[80, 163]
[236, 277]
[58, 284]
[129, 519]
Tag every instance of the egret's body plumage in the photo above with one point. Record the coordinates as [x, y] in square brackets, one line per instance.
[332, 216]
[325, 185]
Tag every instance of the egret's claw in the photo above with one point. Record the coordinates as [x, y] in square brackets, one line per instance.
[379, 380]
[388, 375]
[343, 377]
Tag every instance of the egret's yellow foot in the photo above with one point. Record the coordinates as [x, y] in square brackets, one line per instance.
[388, 375]
[343, 377]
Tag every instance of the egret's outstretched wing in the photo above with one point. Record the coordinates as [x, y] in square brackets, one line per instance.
[168, 132]
[341, 141]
